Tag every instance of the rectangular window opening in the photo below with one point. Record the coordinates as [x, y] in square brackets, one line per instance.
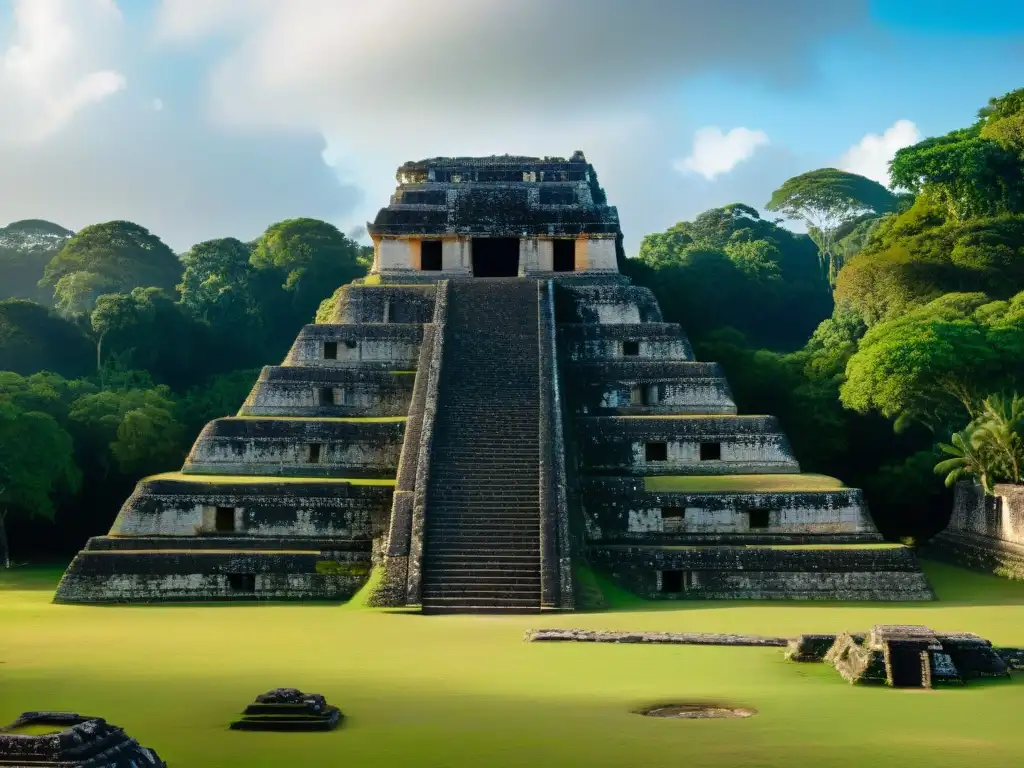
[242, 582]
[224, 520]
[710, 451]
[564, 259]
[759, 518]
[656, 451]
[326, 396]
[630, 348]
[430, 256]
[314, 453]
[330, 350]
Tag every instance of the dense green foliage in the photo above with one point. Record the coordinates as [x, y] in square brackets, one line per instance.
[928, 323]
[731, 267]
[141, 349]
[991, 447]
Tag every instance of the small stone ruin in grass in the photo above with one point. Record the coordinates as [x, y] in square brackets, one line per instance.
[67, 740]
[906, 656]
[288, 709]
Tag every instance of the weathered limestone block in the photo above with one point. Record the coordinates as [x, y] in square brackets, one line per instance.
[385, 304]
[630, 341]
[651, 387]
[809, 648]
[705, 445]
[168, 575]
[850, 572]
[337, 345]
[330, 392]
[179, 505]
[606, 304]
[297, 447]
[985, 533]
[623, 509]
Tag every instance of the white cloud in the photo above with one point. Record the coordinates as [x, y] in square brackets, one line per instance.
[51, 69]
[871, 155]
[715, 152]
[394, 80]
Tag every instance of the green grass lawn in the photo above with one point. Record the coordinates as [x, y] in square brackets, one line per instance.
[467, 691]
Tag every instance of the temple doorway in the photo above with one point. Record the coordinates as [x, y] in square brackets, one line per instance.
[495, 257]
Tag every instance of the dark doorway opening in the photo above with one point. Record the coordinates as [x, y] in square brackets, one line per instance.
[565, 256]
[314, 453]
[671, 581]
[710, 451]
[906, 666]
[630, 348]
[759, 518]
[495, 257]
[225, 521]
[330, 350]
[326, 396]
[656, 452]
[242, 582]
[430, 255]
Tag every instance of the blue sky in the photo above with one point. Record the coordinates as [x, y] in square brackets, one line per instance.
[210, 118]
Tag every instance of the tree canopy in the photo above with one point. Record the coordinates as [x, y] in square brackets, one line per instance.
[827, 199]
[121, 254]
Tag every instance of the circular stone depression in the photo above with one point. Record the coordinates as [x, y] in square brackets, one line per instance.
[695, 711]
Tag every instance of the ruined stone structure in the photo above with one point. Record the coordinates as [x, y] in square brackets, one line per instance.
[908, 657]
[985, 533]
[68, 740]
[494, 407]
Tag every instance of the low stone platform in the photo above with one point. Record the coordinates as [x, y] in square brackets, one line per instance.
[289, 709]
[68, 740]
[122, 570]
[799, 572]
[653, 638]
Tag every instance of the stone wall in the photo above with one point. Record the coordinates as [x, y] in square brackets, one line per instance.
[385, 304]
[414, 584]
[606, 304]
[391, 343]
[393, 588]
[746, 444]
[556, 555]
[985, 533]
[653, 341]
[114, 576]
[652, 387]
[615, 512]
[185, 507]
[845, 573]
[256, 446]
[329, 392]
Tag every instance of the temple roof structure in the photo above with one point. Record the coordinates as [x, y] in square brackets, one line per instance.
[498, 196]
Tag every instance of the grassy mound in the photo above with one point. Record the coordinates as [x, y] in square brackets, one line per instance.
[783, 483]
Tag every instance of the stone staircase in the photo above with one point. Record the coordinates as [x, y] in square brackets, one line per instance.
[482, 532]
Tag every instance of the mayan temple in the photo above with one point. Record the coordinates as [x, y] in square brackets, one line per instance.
[492, 409]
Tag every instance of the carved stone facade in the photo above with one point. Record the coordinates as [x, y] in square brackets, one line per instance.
[500, 216]
[478, 440]
[985, 533]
